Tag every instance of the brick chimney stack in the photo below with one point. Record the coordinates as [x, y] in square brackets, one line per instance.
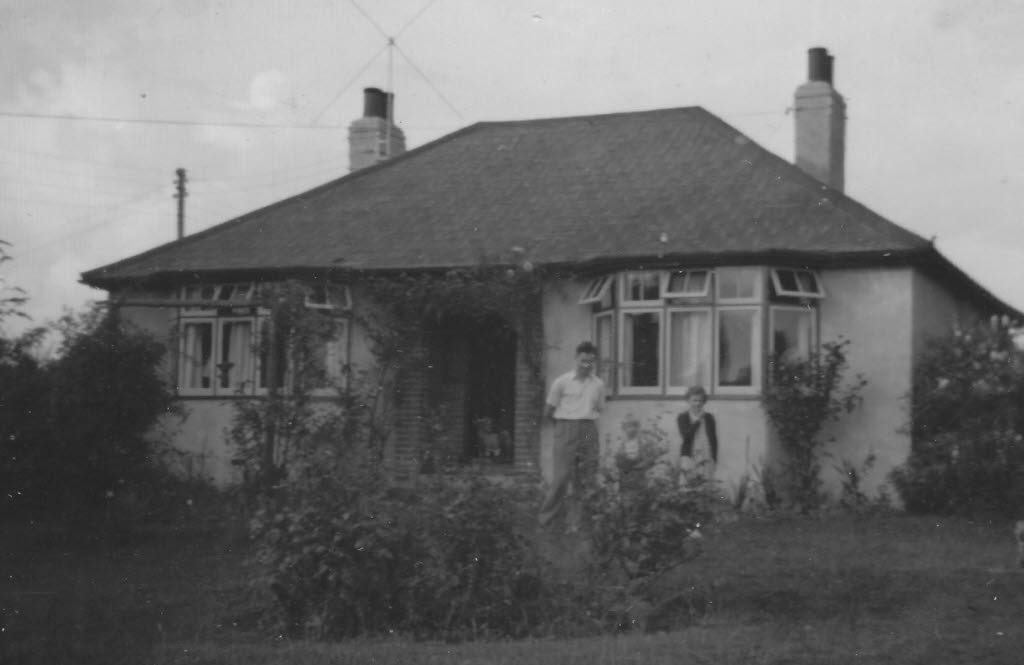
[820, 114]
[374, 137]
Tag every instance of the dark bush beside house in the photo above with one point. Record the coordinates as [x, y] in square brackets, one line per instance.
[76, 435]
[967, 424]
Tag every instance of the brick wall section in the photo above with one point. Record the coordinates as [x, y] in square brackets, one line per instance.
[411, 418]
[529, 400]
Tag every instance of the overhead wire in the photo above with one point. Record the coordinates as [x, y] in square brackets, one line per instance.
[156, 121]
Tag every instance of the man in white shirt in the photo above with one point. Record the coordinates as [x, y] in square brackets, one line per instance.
[574, 403]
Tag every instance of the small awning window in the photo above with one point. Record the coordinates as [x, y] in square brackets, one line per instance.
[686, 284]
[328, 296]
[597, 290]
[797, 283]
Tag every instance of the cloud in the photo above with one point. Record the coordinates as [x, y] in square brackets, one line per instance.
[268, 90]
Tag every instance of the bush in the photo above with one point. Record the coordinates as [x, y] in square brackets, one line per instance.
[75, 429]
[967, 424]
[644, 517]
[803, 395]
[443, 562]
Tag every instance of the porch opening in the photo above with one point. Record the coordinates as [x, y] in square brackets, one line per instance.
[473, 389]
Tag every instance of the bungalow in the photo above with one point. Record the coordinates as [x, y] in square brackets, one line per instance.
[688, 253]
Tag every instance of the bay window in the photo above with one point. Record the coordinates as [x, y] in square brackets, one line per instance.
[663, 332]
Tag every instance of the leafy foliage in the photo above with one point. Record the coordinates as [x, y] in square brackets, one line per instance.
[271, 431]
[803, 395]
[345, 558]
[967, 424]
[107, 392]
[12, 298]
[644, 513]
[75, 430]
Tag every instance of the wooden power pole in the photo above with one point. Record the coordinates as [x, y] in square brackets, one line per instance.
[181, 194]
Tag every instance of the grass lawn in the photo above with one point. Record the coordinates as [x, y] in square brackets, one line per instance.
[891, 589]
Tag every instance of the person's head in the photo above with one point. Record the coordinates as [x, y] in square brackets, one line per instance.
[696, 396]
[586, 357]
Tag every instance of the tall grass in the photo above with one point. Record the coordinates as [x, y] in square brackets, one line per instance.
[891, 589]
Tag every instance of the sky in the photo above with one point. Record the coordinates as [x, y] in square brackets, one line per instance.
[102, 100]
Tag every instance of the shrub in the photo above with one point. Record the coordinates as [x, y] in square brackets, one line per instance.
[967, 424]
[76, 428]
[107, 394]
[802, 396]
[443, 562]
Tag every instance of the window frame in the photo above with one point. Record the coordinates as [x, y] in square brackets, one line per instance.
[621, 364]
[669, 311]
[612, 374]
[756, 299]
[219, 317]
[624, 301]
[687, 272]
[799, 292]
[757, 352]
[189, 391]
[248, 383]
[813, 343]
[597, 290]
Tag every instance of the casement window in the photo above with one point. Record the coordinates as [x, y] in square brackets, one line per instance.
[640, 350]
[689, 349]
[225, 350]
[738, 350]
[686, 283]
[598, 291]
[793, 332]
[796, 283]
[670, 330]
[641, 288]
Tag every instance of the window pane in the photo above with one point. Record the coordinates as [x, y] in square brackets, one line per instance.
[808, 282]
[641, 343]
[787, 280]
[689, 349]
[643, 286]
[197, 355]
[736, 332]
[734, 283]
[605, 354]
[677, 281]
[792, 333]
[696, 281]
[235, 363]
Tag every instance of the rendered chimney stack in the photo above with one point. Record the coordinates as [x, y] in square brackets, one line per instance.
[820, 114]
[374, 137]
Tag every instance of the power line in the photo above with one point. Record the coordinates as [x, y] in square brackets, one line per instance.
[106, 222]
[345, 88]
[429, 82]
[153, 121]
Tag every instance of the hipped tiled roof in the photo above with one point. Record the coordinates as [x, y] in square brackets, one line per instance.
[675, 184]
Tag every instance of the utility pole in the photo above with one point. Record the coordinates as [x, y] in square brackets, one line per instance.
[180, 186]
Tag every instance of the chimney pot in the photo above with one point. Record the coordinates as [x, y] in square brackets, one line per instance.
[819, 65]
[375, 103]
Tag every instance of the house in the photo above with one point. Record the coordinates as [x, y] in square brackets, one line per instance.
[688, 253]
